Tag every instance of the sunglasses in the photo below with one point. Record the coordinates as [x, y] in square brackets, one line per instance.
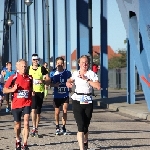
[35, 59]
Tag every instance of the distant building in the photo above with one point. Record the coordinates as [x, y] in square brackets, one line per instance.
[96, 52]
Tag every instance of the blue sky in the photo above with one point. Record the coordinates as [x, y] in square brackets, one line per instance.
[116, 30]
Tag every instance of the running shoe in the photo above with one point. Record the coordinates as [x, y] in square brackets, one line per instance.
[18, 145]
[36, 133]
[57, 131]
[7, 109]
[33, 132]
[63, 131]
[86, 146]
[25, 147]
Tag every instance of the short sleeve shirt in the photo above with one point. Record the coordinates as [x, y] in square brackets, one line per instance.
[82, 86]
[8, 74]
[23, 95]
[62, 91]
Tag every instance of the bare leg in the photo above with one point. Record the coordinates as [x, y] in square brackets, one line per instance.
[64, 117]
[26, 128]
[37, 120]
[86, 137]
[57, 111]
[80, 138]
[34, 117]
[17, 129]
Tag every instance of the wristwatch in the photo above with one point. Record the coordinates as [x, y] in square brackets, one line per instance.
[88, 80]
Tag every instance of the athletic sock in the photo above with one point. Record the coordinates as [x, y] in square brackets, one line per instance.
[57, 126]
[63, 127]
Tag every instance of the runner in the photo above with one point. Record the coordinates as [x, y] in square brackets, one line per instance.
[82, 103]
[38, 73]
[7, 73]
[59, 78]
[20, 85]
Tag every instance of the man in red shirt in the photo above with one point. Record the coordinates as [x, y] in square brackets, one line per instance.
[20, 85]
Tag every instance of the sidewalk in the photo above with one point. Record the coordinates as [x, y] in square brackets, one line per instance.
[117, 101]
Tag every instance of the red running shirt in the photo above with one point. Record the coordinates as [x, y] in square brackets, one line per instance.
[95, 68]
[23, 95]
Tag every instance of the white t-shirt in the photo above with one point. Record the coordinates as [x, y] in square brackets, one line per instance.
[82, 86]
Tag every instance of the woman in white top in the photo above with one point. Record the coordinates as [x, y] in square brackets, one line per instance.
[84, 80]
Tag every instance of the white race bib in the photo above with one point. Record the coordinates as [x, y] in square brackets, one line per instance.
[23, 94]
[35, 81]
[61, 90]
[85, 99]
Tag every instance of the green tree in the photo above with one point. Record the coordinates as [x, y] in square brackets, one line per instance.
[118, 61]
[96, 59]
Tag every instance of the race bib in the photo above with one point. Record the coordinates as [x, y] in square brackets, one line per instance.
[35, 81]
[61, 90]
[85, 99]
[23, 94]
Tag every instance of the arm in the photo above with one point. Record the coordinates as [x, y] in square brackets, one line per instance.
[93, 81]
[94, 84]
[3, 73]
[71, 80]
[54, 84]
[31, 86]
[46, 79]
[7, 88]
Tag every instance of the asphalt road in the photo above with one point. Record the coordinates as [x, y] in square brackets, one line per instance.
[108, 130]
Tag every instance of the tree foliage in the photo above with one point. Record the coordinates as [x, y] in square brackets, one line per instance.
[118, 61]
[96, 59]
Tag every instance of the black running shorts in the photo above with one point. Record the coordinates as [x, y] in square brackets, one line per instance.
[37, 101]
[60, 101]
[17, 113]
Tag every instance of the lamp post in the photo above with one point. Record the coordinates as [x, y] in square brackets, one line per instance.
[11, 22]
[28, 2]
[90, 32]
[48, 34]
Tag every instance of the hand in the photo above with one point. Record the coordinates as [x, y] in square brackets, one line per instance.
[40, 81]
[57, 84]
[69, 85]
[82, 76]
[70, 90]
[33, 93]
[14, 88]
[3, 73]
[98, 88]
